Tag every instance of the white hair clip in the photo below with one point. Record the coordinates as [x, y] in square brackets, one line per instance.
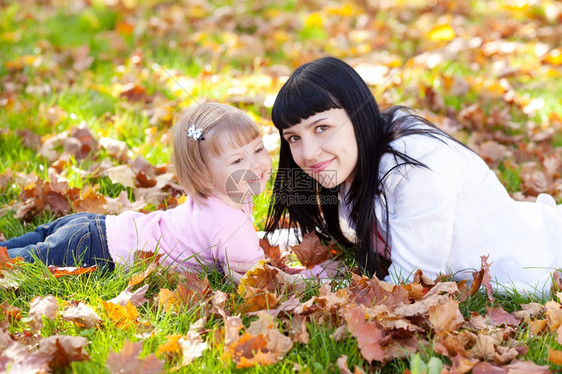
[196, 134]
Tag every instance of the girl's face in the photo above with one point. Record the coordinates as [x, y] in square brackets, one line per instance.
[239, 173]
[324, 146]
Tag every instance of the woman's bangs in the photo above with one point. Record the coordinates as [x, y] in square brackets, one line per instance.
[300, 101]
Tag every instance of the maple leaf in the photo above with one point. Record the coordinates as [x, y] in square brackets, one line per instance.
[167, 299]
[6, 262]
[272, 252]
[81, 314]
[135, 298]
[257, 299]
[42, 307]
[59, 271]
[171, 348]
[498, 316]
[192, 346]
[445, 316]
[123, 316]
[128, 361]
[61, 350]
[17, 359]
[369, 334]
[311, 251]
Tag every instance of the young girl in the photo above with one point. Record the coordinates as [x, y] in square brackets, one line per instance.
[221, 163]
[400, 189]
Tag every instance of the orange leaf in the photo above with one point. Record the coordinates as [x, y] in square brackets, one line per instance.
[58, 271]
[6, 261]
[171, 348]
[123, 316]
[167, 299]
[555, 356]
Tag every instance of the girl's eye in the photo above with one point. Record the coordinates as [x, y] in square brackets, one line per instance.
[293, 138]
[259, 150]
[237, 161]
[320, 128]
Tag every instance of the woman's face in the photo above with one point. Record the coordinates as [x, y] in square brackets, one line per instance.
[324, 146]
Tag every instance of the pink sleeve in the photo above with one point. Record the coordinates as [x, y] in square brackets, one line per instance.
[238, 242]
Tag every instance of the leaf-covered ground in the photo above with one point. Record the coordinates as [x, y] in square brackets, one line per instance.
[88, 93]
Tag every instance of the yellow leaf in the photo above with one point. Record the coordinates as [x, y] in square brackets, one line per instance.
[441, 33]
[123, 316]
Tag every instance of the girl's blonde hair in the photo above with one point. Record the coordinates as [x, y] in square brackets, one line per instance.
[220, 125]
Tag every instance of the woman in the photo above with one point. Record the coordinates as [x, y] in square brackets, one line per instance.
[405, 191]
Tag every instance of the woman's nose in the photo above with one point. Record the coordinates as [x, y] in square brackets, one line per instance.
[310, 149]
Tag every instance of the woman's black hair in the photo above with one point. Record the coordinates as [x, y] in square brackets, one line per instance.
[299, 201]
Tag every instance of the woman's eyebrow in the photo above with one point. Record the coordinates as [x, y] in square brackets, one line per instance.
[289, 132]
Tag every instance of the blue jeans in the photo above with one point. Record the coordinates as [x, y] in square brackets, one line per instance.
[75, 240]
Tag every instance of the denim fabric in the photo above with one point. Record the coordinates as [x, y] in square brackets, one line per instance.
[74, 240]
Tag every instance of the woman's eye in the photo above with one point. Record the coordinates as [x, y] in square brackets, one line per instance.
[292, 138]
[321, 128]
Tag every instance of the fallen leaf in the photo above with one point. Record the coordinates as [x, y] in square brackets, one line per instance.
[81, 314]
[122, 316]
[42, 307]
[59, 271]
[136, 298]
[61, 350]
[311, 252]
[128, 361]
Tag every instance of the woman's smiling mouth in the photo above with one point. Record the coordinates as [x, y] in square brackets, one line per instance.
[320, 166]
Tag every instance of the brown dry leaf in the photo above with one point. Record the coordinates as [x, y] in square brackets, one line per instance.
[81, 314]
[537, 326]
[553, 314]
[122, 316]
[299, 332]
[531, 310]
[272, 252]
[139, 277]
[498, 316]
[311, 252]
[167, 299]
[59, 271]
[192, 346]
[342, 364]
[90, 201]
[128, 361]
[486, 278]
[446, 316]
[369, 334]
[42, 307]
[136, 298]
[16, 357]
[232, 327]
[485, 347]
[61, 350]
[122, 174]
[248, 351]
[193, 291]
[522, 367]
[258, 299]
[461, 364]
